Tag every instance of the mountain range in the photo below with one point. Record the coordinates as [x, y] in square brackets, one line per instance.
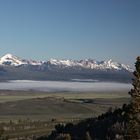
[13, 67]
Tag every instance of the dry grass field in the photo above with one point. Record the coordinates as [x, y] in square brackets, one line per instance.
[51, 108]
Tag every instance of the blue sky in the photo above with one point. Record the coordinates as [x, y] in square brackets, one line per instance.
[71, 29]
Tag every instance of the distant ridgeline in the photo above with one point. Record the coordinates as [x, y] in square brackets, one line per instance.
[15, 68]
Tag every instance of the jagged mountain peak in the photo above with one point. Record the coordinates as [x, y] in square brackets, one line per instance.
[91, 64]
[13, 60]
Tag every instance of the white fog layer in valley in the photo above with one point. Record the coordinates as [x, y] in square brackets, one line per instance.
[54, 86]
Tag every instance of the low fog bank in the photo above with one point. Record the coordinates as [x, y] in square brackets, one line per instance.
[54, 86]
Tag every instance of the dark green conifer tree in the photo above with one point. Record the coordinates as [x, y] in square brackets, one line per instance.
[133, 113]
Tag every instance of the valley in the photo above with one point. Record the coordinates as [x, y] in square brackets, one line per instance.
[36, 113]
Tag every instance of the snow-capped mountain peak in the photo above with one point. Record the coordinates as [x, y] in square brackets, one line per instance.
[13, 60]
[10, 59]
[8, 55]
[91, 64]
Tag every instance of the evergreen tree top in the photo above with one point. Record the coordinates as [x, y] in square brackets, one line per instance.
[137, 65]
[138, 58]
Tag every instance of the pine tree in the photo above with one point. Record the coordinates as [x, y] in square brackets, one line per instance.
[133, 126]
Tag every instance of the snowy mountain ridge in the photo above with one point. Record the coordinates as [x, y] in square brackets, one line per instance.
[12, 60]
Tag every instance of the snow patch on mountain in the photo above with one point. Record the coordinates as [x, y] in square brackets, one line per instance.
[61, 62]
